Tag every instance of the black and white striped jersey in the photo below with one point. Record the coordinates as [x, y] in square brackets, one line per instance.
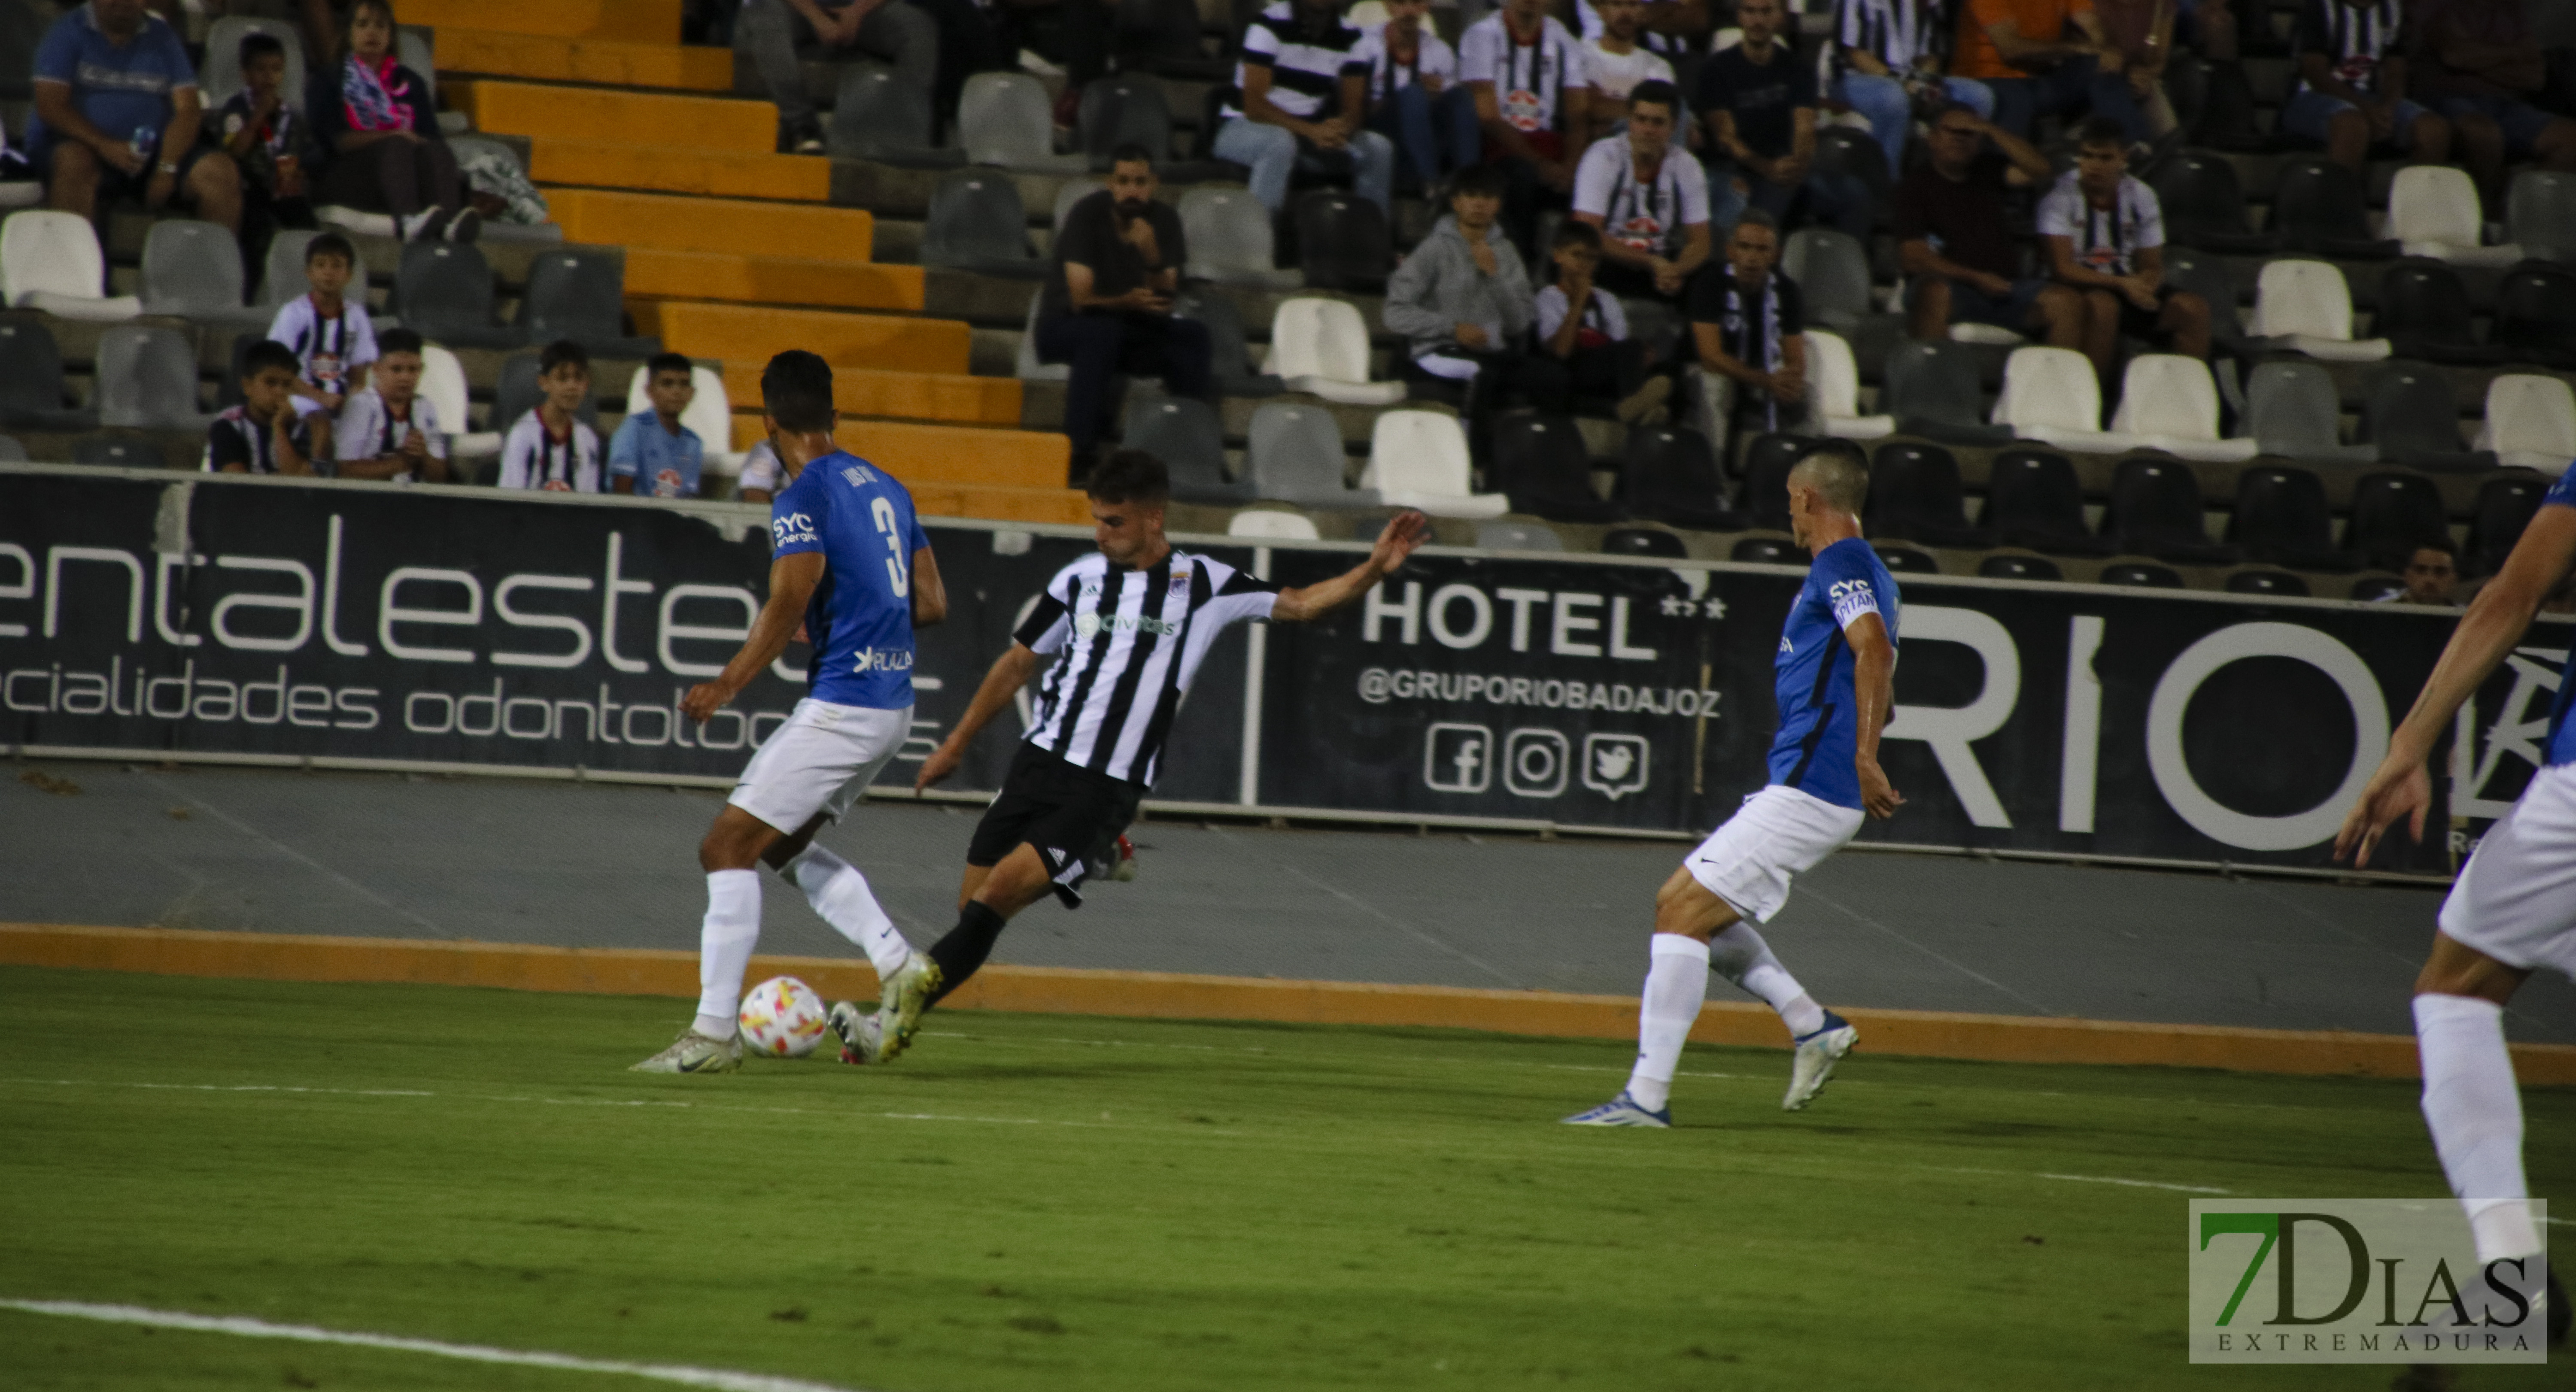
[1126, 643]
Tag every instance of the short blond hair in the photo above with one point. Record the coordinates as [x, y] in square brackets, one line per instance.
[1842, 481]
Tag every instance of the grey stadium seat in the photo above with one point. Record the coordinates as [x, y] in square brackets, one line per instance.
[147, 379]
[977, 223]
[282, 278]
[1007, 119]
[1184, 433]
[1501, 535]
[2291, 408]
[1832, 272]
[1028, 368]
[11, 452]
[1296, 457]
[1122, 109]
[880, 114]
[2411, 418]
[32, 390]
[517, 393]
[220, 75]
[193, 270]
[580, 293]
[1934, 390]
[444, 290]
[2540, 213]
[1229, 352]
[118, 452]
[1231, 241]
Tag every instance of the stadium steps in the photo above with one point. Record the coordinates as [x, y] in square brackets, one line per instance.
[753, 334]
[951, 398]
[652, 273]
[810, 232]
[627, 21]
[545, 112]
[662, 169]
[966, 457]
[607, 62]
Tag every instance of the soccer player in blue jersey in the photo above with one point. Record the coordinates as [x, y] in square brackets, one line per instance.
[852, 566]
[2512, 909]
[1835, 679]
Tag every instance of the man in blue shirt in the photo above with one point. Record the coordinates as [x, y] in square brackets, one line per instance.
[117, 111]
[652, 453]
[1835, 681]
[2512, 909]
[852, 567]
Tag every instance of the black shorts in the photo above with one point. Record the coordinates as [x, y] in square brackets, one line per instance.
[115, 185]
[2142, 323]
[1070, 815]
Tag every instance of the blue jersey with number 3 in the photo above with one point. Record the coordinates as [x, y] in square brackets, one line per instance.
[860, 619]
[1819, 719]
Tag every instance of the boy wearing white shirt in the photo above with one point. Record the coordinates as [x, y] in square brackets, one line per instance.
[549, 448]
[1414, 96]
[1583, 343]
[329, 330]
[388, 430]
[1648, 200]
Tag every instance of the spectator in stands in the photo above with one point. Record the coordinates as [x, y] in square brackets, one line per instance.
[388, 430]
[2432, 576]
[376, 118]
[771, 33]
[1106, 307]
[1302, 95]
[270, 142]
[1583, 345]
[1759, 101]
[1614, 62]
[269, 433]
[1672, 28]
[1749, 323]
[1414, 96]
[1888, 56]
[650, 452]
[2103, 233]
[1955, 243]
[329, 331]
[2478, 63]
[2045, 58]
[1462, 298]
[1648, 199]
[1532, 100]
[758, 482]
[2351, 89]
[2143, 32]
[549, 449]
[117, 113]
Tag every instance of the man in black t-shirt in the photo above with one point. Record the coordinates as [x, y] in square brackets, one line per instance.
[1107, 304]
[1955, 244]
[1760, 104]
[1749, 322]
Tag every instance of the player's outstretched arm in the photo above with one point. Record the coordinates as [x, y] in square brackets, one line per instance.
[929, 593]
[792, 582]
[1874, 690]
[2495, 622]
[1405, 532]
[1009, 673]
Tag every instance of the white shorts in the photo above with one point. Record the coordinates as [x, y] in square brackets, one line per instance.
[1778, 833]
[819, 761]
[2516, 898]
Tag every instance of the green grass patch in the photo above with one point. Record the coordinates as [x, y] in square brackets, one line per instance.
[1053, 1202]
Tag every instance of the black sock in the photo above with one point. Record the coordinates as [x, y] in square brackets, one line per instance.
[966, 946]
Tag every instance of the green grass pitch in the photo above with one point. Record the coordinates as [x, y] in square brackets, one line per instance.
[1050, 1202]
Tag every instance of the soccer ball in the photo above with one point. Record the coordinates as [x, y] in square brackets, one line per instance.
[782, 1018]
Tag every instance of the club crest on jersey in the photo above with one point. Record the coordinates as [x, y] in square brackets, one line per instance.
[1180, 579]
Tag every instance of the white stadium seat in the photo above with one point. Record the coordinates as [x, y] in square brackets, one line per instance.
[2304, 306]
[50, 261]
[1272, 524]
[2050, 395]
[1418, 459]
[1026, 366]
[2530, 423]
[2170, 402]
[2433, 211]
[442, 381]
[1833, 390]
[709, 417]
[1321, 347]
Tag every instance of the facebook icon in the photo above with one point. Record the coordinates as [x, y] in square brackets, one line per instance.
[1458, 758]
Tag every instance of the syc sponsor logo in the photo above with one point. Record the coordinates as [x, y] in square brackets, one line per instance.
[794, 528]
[2357, 1281]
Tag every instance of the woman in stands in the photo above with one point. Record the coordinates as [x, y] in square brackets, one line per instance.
[376, 118]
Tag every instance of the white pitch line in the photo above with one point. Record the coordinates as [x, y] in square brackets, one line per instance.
[2086, 1179]
[718, 1379]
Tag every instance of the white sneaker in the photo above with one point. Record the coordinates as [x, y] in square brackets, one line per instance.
[1621, 1110]
[862, 1032]
[1818, 1052]
[899, 1005]
[693, 1052]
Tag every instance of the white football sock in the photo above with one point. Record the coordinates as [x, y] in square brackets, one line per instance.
[725, 941]
[840, 894]
[2475, 1113]
[1740, 955]
[1676, 983]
